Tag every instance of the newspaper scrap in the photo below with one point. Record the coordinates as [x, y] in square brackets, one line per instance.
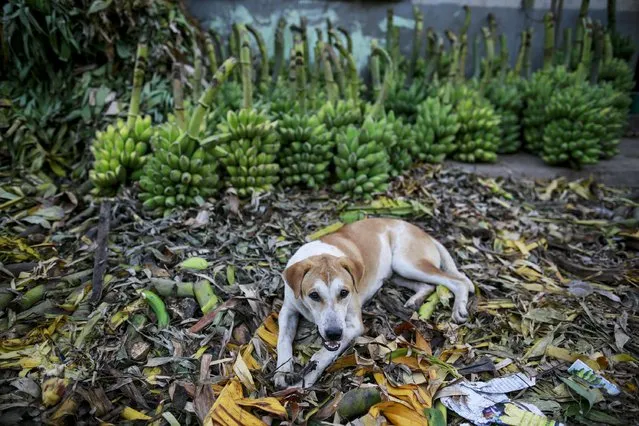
[486, 403]
[584, 372]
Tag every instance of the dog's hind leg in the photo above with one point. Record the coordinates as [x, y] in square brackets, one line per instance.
[422, 290]
[423, 270]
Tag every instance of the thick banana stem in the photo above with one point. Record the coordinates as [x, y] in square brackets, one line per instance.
[279, 49]
[264, 71]
[476, 57]
[378, 108]
[300, 71]
[375, 72]
[521, 53]
[331, 86]
[292, 76]
[138, 78]
[338, 70]
[579, 34]
[353, 80]
[218, 43]
[210, 50]
[329, 29]
[234, 47]
[607, 50]
[390, 32]
[208, 96]
[454, 48]
[197, 70]
[417, 40]
[584, 66]
[549, 40]
[245, 64]
[349, 40]
[307, 53]
[178, 96]
[504, 56]
[463, 53]
[492, 26]
[567, 46]
[598, 35]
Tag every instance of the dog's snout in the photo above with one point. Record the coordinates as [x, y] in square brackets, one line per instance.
[333, 334]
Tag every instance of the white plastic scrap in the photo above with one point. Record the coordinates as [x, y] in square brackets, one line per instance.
[483, 403]
[582, 370]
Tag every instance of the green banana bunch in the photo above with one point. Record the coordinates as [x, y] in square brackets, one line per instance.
[120, 153]
[339, 115]
[362, 164]
[507, 99]
[617, 72]
[479, 131]
[613, 106]
[280, 102]
[573, 132]
[248, 149]
[537, 93]
[306, 150]
[404, 101]
[230, 96]
[402, 140]
[179, 173]
[435, 130]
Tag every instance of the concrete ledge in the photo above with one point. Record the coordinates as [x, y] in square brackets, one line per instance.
[620, 171]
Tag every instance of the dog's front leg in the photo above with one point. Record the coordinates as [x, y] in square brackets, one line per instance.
[324, 358]
[288, 320]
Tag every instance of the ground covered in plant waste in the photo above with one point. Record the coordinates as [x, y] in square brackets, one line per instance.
[555, 265]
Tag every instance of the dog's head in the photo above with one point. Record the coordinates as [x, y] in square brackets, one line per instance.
[326, 285]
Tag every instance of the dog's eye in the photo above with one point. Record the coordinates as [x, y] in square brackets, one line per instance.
[343, 294]
[314, 296]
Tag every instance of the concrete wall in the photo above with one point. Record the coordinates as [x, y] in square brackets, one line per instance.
[367, 19]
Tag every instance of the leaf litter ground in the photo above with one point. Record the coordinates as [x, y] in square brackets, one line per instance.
[555, 265]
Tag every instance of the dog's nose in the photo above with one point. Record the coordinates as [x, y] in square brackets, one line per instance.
[333, 334]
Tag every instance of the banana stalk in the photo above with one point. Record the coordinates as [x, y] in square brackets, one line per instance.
[331, 86]
[329, 28]
[217, 40]
[264, 71]
[521, 53]
[178, 96]
[417, 41]
[300, 71]
[378, 108]
[503, 55]
[375, 72]
[307, 53]
[234, 48]
[476, 58]
[390, 32]
[210, 50]
[549, 40]
[583, 69]
[197, 70]
[352, 76]
[579, 34]
[141, 63]
[567, 46]
[463, 53]
[279, 49]
[607, 49]
[245, 64]
[339, 71]
[599, 43]
[454, 48]
[349, 40]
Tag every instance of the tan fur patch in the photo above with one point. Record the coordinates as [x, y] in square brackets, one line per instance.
[325, 268]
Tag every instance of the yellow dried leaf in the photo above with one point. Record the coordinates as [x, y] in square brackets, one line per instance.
[241, 370]
[413, 395]
[324, 231]
[566, 355]
[268, 330]
[398, 414]
[132, 414]
[269, 404]
[226, 411]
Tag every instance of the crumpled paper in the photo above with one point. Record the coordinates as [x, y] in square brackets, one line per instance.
[485, 403]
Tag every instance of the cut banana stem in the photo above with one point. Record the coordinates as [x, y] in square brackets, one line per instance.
[138, 79]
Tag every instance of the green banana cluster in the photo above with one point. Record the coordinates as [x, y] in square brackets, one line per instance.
[120, 153]
[248, 149]
[572, 135]
[405, 100]
[618, 73]
[435, 130]
[362, 164]
[280, 102]
[613, 106]
[336, 116]
[479, 132]
[537, 93]
[402, 140]
[306, 150]
[230, 96]
[179, 172]
[506, 97]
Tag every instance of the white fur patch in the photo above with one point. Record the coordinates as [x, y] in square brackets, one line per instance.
[314, 248]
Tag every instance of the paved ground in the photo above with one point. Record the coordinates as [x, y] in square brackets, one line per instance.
[622, 170]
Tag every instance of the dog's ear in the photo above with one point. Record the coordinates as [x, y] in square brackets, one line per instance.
[294, 275]
[354, 268]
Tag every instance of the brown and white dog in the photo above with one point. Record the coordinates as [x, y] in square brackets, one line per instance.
[329, 280]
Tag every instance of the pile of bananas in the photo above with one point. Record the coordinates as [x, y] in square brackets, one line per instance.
[537, 93]
[479, 131]
[230, 96]
[402, 140]
[120, 153]
[507, 99]
[404, 101]
[281, 102]
[618, 73]
[362, 164]
[248, 149]
[336, 116]
[306, 150]
[179, 173]
[614, 106]
[435, 131]
[574, 130]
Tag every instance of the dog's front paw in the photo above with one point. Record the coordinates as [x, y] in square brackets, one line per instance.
[460, 314]
[280, 380]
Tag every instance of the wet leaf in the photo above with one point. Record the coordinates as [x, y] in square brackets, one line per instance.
[194, 263]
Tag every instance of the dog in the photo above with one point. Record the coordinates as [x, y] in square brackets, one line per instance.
[327, 281]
